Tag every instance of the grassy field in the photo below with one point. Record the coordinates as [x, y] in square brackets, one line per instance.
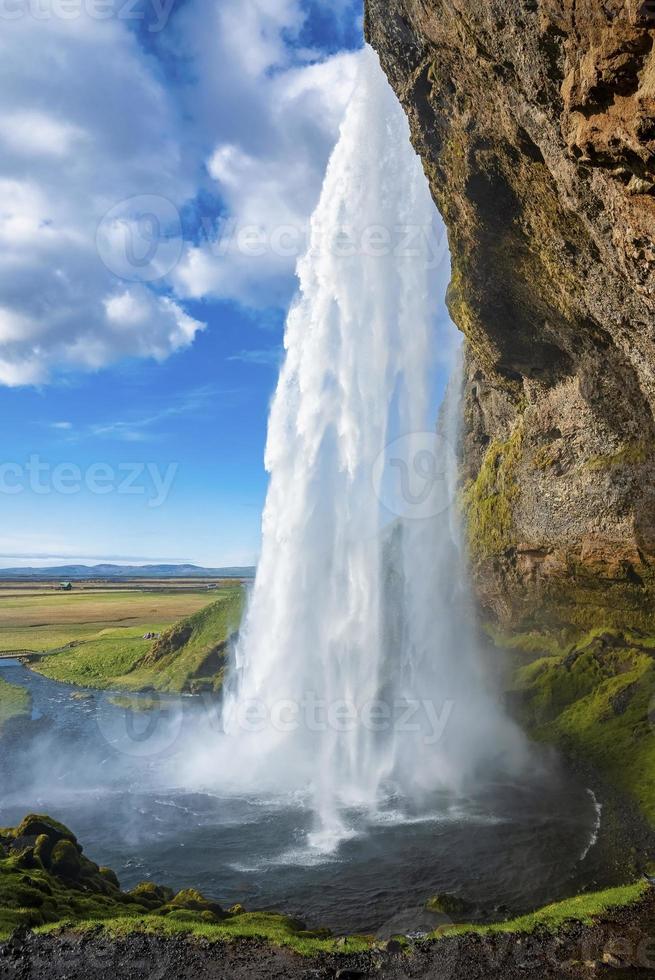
[42, 621]
[189, 657]
[95, 637]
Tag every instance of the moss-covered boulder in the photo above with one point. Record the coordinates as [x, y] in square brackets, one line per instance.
[45, 878]
[191, 900]
[36, 825]
[66, 860]
[150, 895]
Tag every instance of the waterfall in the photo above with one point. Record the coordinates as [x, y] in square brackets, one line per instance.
[357, 674]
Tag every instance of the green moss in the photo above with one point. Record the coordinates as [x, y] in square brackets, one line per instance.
[581, 909]
[15, 702]
[533, 643]
[631, 454]
[47, 883]
[65, 860]
[488, 500]
[596, 699]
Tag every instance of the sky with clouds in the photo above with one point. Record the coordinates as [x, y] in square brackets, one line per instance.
[159, 161]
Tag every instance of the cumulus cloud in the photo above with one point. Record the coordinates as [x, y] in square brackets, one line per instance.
[82, 126]
[273, 130]
[96, 120]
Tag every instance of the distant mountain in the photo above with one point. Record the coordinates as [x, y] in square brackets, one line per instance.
[78, 572]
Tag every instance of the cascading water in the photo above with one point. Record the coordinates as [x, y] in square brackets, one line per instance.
[356, 675]
[357, 686]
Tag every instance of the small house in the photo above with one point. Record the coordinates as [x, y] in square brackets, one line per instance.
[65, 586]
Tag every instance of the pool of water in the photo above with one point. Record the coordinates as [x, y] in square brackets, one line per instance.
[104, 768]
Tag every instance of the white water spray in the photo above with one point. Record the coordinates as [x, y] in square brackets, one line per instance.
[357, 673]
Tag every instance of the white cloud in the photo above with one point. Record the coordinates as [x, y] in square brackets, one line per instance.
[91, 122]
[83, 126]
[32, 134]
[274, 122]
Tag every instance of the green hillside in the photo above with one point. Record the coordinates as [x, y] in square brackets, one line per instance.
[189, 657]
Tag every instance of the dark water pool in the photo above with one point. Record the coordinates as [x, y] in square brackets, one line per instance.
[508, 847]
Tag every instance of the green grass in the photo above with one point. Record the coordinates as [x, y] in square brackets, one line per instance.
[15, 702]
[596, 700]
[279, 930]
[583, 908]
[189, 657]
[192, 655]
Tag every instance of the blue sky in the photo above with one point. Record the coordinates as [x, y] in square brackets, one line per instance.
[134, 397]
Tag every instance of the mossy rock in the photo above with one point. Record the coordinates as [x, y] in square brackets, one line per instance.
[150, 895]
[36, 825]
[65, 860]
[43, 848]
[110, 876]
[191, 900]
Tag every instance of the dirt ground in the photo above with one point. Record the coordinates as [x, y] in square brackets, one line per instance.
[620, 946]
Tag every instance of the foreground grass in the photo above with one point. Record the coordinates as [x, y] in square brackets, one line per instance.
[278, 930]
[15, 702]
[584, 909]
[190, 656]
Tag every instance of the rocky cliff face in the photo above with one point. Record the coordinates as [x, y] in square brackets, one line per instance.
[535, 120]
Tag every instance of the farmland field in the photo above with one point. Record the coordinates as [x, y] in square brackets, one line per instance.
[42, 618]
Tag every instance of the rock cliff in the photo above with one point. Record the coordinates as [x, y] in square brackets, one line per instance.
[535, 120]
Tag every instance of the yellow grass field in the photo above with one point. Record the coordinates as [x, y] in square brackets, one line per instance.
[44, 619]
